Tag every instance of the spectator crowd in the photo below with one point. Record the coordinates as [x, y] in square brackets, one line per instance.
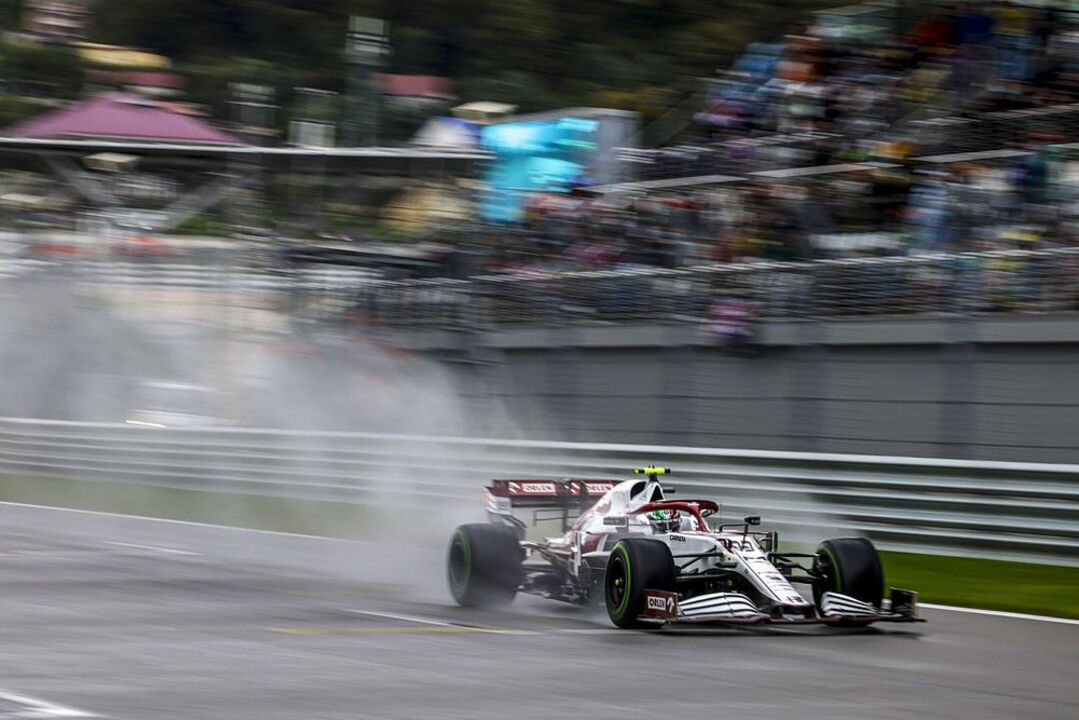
[855, 101]
[965, 58]
[882, 209]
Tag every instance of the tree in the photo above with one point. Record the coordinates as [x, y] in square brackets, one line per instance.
[533, 53]
[40, 69]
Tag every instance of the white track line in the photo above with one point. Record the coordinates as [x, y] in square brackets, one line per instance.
[155, 548]
[187, 523]
[406, 618]
[441, 623]
[1000, 613]
[35, 708]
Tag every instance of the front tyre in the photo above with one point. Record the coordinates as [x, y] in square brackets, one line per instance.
[635, 564]
[483, 565]
[851, 567]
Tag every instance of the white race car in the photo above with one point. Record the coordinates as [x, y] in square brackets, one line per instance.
[652, 560]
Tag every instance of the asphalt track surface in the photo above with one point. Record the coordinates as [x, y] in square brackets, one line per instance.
[129, 618]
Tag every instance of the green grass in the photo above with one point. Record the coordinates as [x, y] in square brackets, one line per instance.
[990, 584]
[311, 517]
[970, 582]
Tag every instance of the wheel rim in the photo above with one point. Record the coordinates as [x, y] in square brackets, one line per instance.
[617, 582]
[828, 574]
[830, 570]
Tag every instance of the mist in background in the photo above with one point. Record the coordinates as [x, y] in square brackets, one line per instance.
[75, 351]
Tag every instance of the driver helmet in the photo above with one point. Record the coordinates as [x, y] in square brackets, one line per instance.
[664, 521]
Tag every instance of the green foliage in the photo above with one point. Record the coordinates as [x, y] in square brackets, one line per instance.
[14, 109]
[536, 54]
[10, 13]
[44, 66]
[204, 225]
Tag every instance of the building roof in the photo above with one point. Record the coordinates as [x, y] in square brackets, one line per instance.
[395, 161]
[448, 132]
[163, 80]
[483, 111]
[121, 56]
[421, 86]
[124, 116]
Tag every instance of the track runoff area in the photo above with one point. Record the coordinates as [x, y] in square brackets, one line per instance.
[124, 617]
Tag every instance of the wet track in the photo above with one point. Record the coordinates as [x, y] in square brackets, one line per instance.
[130, 618]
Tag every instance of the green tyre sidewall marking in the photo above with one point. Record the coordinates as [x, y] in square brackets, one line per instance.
[837, 580]
[623, 607]
[460, 584]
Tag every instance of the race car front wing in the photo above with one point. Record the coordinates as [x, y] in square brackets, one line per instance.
[731, 608]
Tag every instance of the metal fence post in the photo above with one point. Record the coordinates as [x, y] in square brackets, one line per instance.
[809, 372]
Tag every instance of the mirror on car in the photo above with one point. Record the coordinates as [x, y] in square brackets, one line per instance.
[753, 520]
[770, 542]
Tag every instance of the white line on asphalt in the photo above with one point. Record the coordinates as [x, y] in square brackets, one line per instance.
[188, 523]
[441, 623]
[406, 618]
[155, 548]
[35, 708]
[1001, 613]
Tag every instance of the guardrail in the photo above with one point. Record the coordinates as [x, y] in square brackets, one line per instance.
[934, 135]
[1002, 281]
[1022, 511]
[159, 275]
[995, 129]
[739, 155]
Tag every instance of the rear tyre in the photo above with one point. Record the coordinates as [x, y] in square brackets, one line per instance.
[483, 565]
[849, 566]
[635, 564]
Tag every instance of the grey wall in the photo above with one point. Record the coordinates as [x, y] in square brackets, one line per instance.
[1003, 389]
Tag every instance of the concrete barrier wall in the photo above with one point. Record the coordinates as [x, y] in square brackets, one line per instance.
[980, 388]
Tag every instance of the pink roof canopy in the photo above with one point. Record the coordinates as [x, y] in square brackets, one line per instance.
[120, 115]
[425, 86]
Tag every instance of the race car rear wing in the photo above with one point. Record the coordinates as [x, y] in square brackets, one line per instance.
[550, 493]
[569, 497]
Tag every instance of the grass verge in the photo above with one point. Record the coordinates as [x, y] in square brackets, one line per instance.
[989, 584]
[310, 517]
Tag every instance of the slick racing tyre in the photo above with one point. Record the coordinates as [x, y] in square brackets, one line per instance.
[483, 565]
[635, 564]
[850, 566]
